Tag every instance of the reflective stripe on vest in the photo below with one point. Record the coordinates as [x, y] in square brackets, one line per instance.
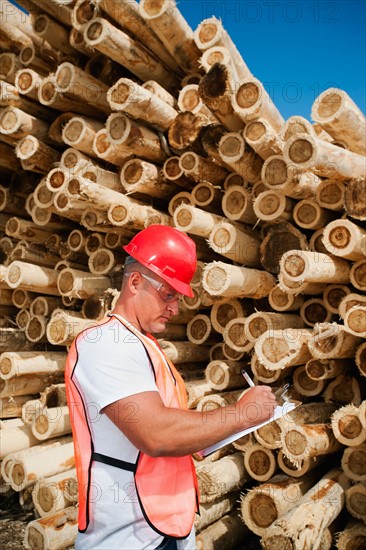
[166, 486]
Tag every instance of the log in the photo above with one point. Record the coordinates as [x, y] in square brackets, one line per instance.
[55, 131]
[210, 137]
[306, 386]
[353, 535]
[201, 331]
[224, 534]
[220, 279]
[348, 425]
[360, 359]
[172, 171]
[160, 92]
[301, 265]
[139, 176]
[32, 56]
[349, 301]
[261, 321]
[50, 95]
[42, 196]
[199, 168]
[356, 501]
[64, 326]
[215, 90]
[264, 504]
[251, 101]
[305, 466]
[51, 422]
[195, 221]
[79, 133]
[126, 13]
[17, 124]
[28, 383]
[214, 511]
[239, 245]
[309, 215]
[326, 369]
[49, 495]
[273, 207]
[218, 478]
[330, 340]
[103, 260]
[183, 352]
[173, 30]
[35, 329]
[9, 160]
[297, 287]
[240, 157]
[260, 135]
[278, 349]
[82, 87]
[222, 313]
[301, 442]
[211, 33]
[333, 295]
[32, 277]
[185, 132]
[79, 284]
[14, 364]
[355, 198]
[343, 239]
[22, 319]
[77, 41]
[261, 373]
[234, 335]
[189, 100]
[11, 407]
[303, 525]
[30, 232]
[36, 155]
[52, 32]
[269, 435]
[283, 176]
[13, 38]
[15, 439]
[298, 125]
[55, 531]
[358, 275]
[335, 111]
[132, 135]
[196, 390]
[22, 299]
[279, 300]
[314, 311]
[354, 461]
[237, 205]
[9, 96]
[331, 194]
[259, 462]
[323, 158]
[138, 102]
[11, 203]
[342, 390]
[354, 321]
[114, 43]
[224, 375]
[97, 306]
[9, 65]
[57, 9]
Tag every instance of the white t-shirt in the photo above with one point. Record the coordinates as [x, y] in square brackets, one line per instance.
[113, 364]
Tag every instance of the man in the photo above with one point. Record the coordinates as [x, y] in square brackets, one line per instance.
[133, 434]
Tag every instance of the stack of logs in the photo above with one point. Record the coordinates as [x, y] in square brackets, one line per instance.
[115, 116]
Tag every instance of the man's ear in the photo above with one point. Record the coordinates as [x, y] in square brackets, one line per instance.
[134, 282]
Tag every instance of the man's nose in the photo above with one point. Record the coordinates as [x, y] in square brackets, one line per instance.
[174, 306]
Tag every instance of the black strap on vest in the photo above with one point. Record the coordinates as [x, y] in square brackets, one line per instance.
[121, 464]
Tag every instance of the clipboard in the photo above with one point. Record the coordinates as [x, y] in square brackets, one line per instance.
[279, 412]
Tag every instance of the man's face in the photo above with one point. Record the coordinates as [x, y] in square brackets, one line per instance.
[157, 302]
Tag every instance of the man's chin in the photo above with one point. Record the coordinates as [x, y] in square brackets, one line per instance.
[159, 327]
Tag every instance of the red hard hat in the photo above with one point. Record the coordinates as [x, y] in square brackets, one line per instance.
[167, 252]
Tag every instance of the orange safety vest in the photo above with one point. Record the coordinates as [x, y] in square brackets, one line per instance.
[166, 486]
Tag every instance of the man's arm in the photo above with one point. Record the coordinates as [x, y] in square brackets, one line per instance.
[161, 431]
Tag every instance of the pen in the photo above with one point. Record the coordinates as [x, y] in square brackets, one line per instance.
[247, 378]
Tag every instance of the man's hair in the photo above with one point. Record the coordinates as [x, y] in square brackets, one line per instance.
[131, 266]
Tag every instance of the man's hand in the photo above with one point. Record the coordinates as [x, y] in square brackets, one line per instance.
[257, 405]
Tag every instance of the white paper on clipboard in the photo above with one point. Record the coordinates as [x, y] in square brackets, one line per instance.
[280, 410]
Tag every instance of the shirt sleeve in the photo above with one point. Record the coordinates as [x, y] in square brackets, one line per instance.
[112, 364]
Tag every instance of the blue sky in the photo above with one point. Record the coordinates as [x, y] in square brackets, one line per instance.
[296, 49]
